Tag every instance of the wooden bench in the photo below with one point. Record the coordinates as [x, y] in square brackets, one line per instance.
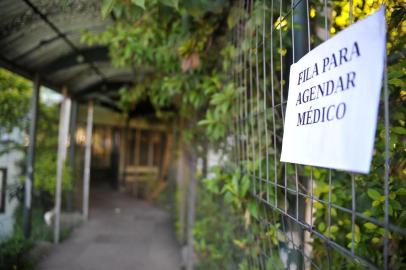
[140, 179]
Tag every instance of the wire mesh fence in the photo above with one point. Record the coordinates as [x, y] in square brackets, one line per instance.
[310, 218]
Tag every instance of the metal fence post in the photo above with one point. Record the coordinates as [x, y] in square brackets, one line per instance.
[31, 157]
[300, 46]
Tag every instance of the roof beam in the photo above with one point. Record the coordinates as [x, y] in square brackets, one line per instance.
[13, 67]
[102, 87]
[62, 35]
[95, 54]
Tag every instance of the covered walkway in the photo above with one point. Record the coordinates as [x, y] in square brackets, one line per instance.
[122, 233]
[41, 40]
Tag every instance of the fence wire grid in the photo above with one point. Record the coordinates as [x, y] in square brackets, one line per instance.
[309, 218]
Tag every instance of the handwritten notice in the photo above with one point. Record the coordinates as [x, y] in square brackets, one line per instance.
[333, 99]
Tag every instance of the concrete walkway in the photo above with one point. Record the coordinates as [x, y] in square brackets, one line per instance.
[121, 234]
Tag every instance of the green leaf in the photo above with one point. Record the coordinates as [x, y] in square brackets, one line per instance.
[376, 203]
[139, 3]
[373, 194]
[234, 183]
[107, 7]
[376, 240]
[401, 191]
[245, 185]
[235, 14]
[399, 130]
[253, 209]
[370, 226]
[356, 228]
[204, 122]
[228, 197]
[395, 204]
[396, 82]
[357, 238]
[333, 212]
[322, 227]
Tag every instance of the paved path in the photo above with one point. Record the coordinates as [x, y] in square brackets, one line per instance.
[121, 234]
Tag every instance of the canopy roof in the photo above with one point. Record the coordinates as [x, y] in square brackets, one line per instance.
[43, 37]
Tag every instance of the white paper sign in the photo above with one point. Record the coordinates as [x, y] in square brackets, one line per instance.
[333, 99]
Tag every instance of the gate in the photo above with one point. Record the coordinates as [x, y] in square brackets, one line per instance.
[312, 218]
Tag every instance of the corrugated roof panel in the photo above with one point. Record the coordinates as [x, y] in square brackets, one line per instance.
[43, 36]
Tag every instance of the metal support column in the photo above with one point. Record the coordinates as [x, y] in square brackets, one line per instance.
[181, 185]
[191, 200]
[301, 47]
[72, 152]
[300, 34]
[31, 157]
[88, 155]
[62, 149]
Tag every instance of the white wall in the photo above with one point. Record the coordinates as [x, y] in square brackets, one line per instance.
[9, 161]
